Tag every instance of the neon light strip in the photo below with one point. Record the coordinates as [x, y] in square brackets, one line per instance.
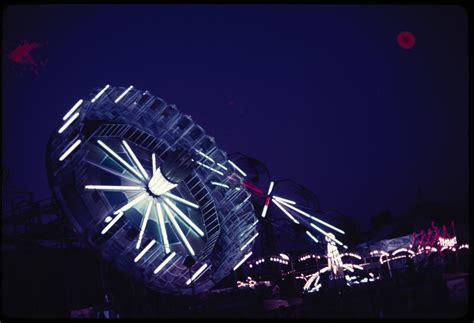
[179, 199]
[167, 260]
[135, 159]
[123, 94]
[264, 211]
[114, 188]
[285, 211]
[237, 168]
[130, 204]
[220, 184]
[178, 229]
[100, 93]
[270, 188]
[313, 218]
[222, 166]
[247, 256]
[163, 232]
[326, 234]
[351, 255]
[184, 218]
[144, 223]
[204, 155]
[312, 237]
[281, 199]
[210, 168]
[70, 149]
[248, 242]
[399, 250]
[144, 251]
[111, 223]
[252, 187]
[196, 274]
[153, 163]
[74, 108]
[120, 159]
[65, 125]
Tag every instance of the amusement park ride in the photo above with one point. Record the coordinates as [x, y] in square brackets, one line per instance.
[144, 184]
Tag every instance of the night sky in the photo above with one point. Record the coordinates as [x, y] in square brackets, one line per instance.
[321, 94]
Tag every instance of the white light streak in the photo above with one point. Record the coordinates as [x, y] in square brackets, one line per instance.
[313, 218]
[351, 255]
[270, 188]
[114, 188]
[281, 199]
[123, 94]
[120, 159]
[161, 222]
[108, 219]
[166, 261]
[67, 123]
[74, 108]
[237, 168]
[111, 223]
[264, 211]
[153, 163]
[220, 184]
[144, 223]
[312, 237]
[130, 204]
[145, 250]
[247, 256]
[285, 211]
[326, 234]
[221, 166]
[196, 274]
[135, 159]
[178, 229]
[184, 218]
[210, 168]
[70, 149]
[399, 250]
[100, 93]
[179, 199]
[248, 242]
[205, 156]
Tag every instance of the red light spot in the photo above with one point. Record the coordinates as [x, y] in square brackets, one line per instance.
[267, 201]
[406, 40]
[22, 56]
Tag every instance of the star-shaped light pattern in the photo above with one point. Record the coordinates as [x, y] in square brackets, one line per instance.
[154, 191]
[288, 207]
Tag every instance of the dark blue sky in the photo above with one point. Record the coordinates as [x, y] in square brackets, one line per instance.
[322, 94]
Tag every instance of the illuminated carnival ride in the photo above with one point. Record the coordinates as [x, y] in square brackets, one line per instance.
[147, 187]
